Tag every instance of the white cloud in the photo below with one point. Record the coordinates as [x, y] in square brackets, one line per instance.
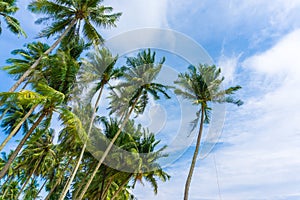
[262, 158]
[138, 14]
[228, 66]
[242, 23]
[282, 58]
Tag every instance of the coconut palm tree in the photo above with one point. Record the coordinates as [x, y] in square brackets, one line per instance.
[37, 156]
[10, 190]
[53, 100]
[66, 18]
[12, 172]
[8, 8]
[140, 75]
[17, 110]
[26, 57]
[202, 86]
[111, 183]
[31, 191]
[99, 68]
[55, 86]
[148, 168]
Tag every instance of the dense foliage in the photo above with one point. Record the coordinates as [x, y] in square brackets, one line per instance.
[65, 149]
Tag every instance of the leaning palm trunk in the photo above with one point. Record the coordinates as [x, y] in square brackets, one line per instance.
[5, 111]
[104, 195]
[66, 188]
[51, 191]
[40, 190]
[20, 145]
[7, 187]
[189, 178]
[15, 130]
[121, 187]
[35, 64]
[81, 185]
[108, 149]
[29, 177]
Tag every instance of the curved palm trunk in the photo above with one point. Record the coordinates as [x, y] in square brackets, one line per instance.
[29, 177]
[121, 187]
[35, 64]
[64, 192]
[15, 130]
[81, 185]
[51, 191]
[6, 189]
[57, 182]
[5, 111]
[103, 197]
[108, 149]
[20, 145]
[189, 178]
[41, 188]
[103, 182]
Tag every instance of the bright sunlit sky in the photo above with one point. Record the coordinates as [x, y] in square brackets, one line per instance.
[256, 43]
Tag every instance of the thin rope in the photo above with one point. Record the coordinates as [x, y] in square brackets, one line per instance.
[217, 175]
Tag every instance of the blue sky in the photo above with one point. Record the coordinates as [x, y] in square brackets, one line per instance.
[257, 45]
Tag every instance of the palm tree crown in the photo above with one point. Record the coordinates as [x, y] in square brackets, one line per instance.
[202, 85]
[66, 13]
[7, 8]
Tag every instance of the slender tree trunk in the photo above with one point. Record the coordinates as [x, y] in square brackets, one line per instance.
[189, 178]
[20, 145]
[107, 188]
[5, 111]
[59, 180]
[51, 191]
[108, 148]
[81, 185]
[41, 188]
[29, 177]
[121, 187]
[65, 170]
[15, 130]
[64, 192]
[4, 194]
[35, 64]
[6, 189]
[122, 117]
[25, 85]
[103, 182]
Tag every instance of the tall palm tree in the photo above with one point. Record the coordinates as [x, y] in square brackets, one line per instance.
[66, 19]
[53, 100]
[31, 191]
[12, 173]
[111, 183]
[97, 68]
[140, 75]
[37, 156]
[55, 85]
[148, 168]
[8, 8]
[18, 66]
[202, 86]
[11, 191]
[26, 57]
[18, 109]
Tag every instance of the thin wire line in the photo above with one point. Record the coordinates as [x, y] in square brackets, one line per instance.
[217, 175]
